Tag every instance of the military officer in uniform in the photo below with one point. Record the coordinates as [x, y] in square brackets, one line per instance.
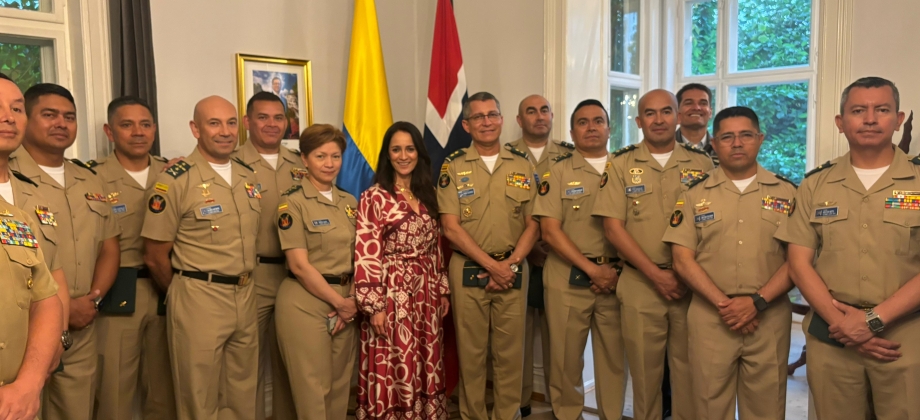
[535, 116]
[485, 195]
[721, 236]
[635, 201]
[132, 326]
[200, 228]
[87, 240]
[694, 109]
[277, 169]
[30, 320]
[580, 276]
[859, 215]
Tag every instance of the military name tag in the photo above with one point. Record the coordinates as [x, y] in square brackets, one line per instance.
[466, 193]
[705, 217]
[635, 189]
[575, 191]
[826, 212]
[121, 208]
[207, 211]
[321, 222]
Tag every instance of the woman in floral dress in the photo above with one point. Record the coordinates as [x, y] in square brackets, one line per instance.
[401, 286]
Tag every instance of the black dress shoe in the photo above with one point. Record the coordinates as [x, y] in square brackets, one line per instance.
[525, 411]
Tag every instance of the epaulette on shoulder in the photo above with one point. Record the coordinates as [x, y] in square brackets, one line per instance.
[697, 181]
[292, 190]
[567, 145]
[562, 157]
[455, 155]
[820, 168]
[24, 178]
[85, 165]
[240, 161]
[915, 160]
[91, 164]
[782, 178]
[178, 168]
[161, 159]
[515, 151]
[625, 149]
[694, 149]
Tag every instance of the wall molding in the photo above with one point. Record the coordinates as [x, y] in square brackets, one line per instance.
[834, 56]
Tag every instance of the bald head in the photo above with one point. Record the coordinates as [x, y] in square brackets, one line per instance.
[658, 117]
[12, 116]
[657, 96]
[535, 116]
[215, 126]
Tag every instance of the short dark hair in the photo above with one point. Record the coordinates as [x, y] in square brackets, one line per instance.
[694, 86]
[126, 100]
[735, 111]
[262, 96]
[3, 76]
[479, 97]
[584, 103]
[317, 135]
[35, 92]
[871, 82]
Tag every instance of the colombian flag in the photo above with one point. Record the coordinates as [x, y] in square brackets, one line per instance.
[367, 102]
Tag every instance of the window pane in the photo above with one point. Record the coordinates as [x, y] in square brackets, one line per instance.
[773, 33]
[783, 113]
[36, 5]
[22, 62]
[623, 111]
[704, 23]
[624, 45]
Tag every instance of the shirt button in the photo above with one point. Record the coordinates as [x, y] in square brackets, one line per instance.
[865, 225]
[739, 264]
[865, 199]
[2, 346]
[739, 242]
[865, 278]
[865, 251]
[740, 221]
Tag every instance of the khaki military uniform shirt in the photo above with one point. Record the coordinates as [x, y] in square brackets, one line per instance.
[81, 211]
[639, 191]
[29, 199]
[326, 229]
[568, 195]
[552, 150]
[271, 183]
[24, 279]
[867, 242]
[493, 207]
[212, 224]
[129, 202]
[732, 231]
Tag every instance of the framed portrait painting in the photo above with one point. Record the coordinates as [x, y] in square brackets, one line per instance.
[289, 79]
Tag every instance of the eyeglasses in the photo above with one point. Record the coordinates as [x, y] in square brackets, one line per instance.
[478, 118]
[747, 137]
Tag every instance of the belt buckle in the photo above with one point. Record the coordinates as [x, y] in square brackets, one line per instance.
[602, 260]
[244, 280]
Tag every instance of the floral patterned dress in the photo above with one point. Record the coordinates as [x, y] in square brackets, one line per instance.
[399, 270]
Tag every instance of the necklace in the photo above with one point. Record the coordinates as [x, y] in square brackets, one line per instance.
[405, 191]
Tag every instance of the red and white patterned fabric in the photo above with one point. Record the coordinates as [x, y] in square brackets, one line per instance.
[399, 269]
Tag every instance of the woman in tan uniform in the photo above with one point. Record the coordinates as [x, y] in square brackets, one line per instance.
[315, 304]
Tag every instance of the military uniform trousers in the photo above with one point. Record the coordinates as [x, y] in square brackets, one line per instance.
[267, 279]
[751, 368]
[320, 365]
[651, 326]
[536, 318]
[841, 380]
[481, 317]
[69, 395]
[573, 311]
[214, 347]
[135, 356]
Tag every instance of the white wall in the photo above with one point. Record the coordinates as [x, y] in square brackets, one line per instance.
[195, 43]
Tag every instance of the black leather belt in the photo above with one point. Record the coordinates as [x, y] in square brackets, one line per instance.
[215, 278]
[501, 256]
[603, 260]
[340, 279]
[667, 266]
[143, 273]
[271, 260]
[864, 308]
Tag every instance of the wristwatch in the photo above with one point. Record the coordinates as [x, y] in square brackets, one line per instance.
[759, 302]
[96, 303]
[514, 268]
[66, 340]
[874, 322]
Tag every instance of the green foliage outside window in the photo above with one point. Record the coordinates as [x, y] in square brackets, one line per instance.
[22, 62]
[21, 4]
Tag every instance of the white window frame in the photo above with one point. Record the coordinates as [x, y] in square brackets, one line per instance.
[726, 80]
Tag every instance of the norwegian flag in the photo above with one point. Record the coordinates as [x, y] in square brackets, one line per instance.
[446, 91]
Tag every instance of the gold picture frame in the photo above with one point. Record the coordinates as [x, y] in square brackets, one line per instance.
[290, 79]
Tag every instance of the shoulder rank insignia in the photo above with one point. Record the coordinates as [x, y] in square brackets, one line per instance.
[515, 151]
[820, 168]
[782, 178]
[625, 149]
[698, 180]
[91, 164]
[455, 155]
[915, 160]
[690, 148]
[24, 178]
[567, 145]
[562, 157]
[85, 165]
[178, 169]
[292, 190]
[243, 164]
